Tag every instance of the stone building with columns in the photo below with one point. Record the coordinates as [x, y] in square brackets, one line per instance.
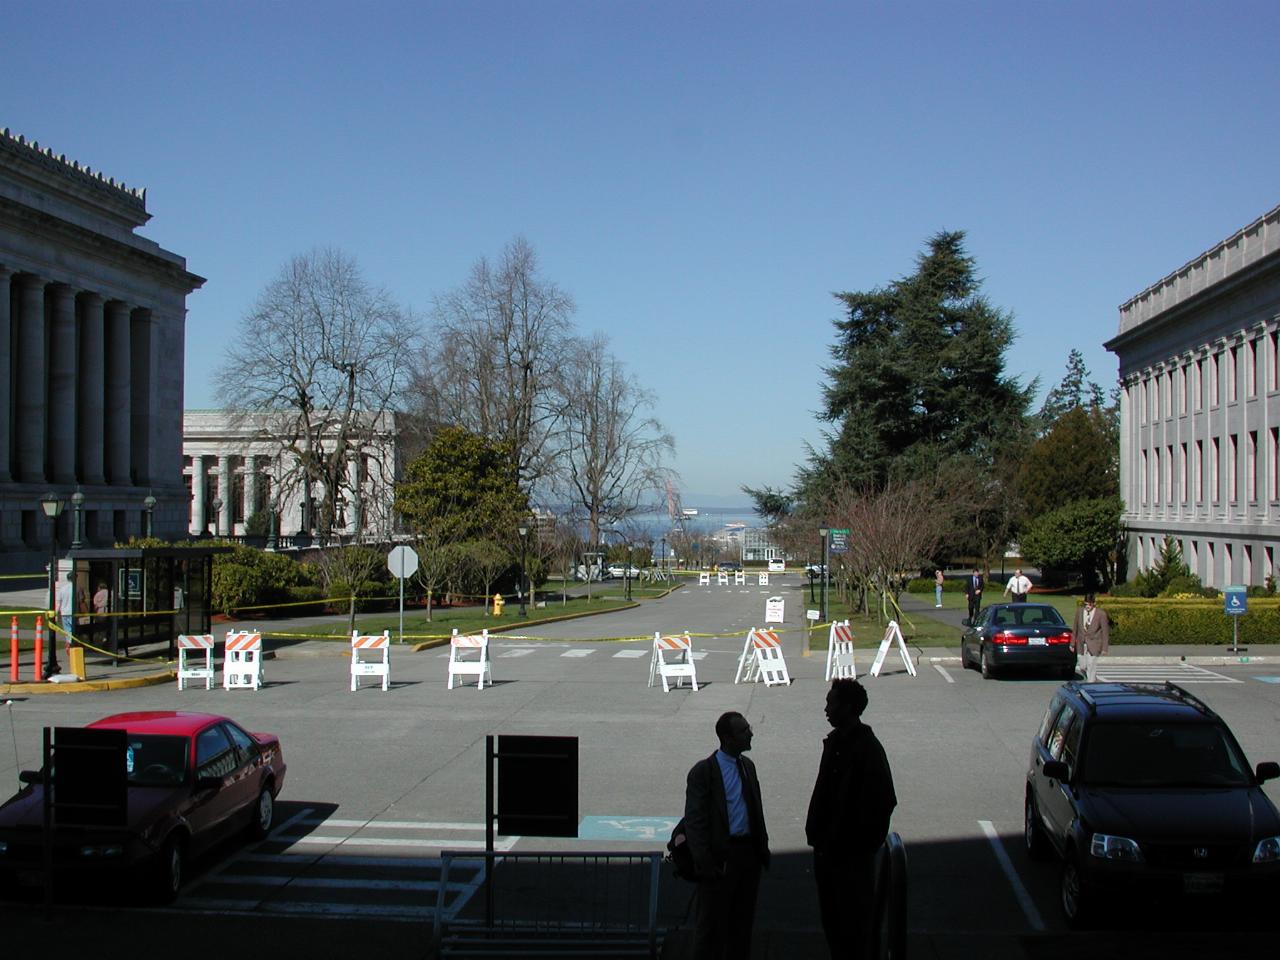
[1200, 410]
[235, 466]
[92, 328]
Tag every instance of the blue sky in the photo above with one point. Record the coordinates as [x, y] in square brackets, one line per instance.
[700, 176]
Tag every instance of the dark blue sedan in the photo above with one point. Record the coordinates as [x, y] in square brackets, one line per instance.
[1030, 635]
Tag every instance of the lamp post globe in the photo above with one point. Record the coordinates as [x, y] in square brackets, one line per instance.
[217, 515]
[149, 504]
[52, 507]
[523, 579]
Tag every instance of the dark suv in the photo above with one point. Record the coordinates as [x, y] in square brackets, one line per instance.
[1143, 789]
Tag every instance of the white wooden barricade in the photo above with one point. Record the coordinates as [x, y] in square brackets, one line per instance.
[672, 659]
[892, 632]
[242, 661]
[840, 653]
[722, 578]
[762, 660]
[704, 579]
[764, 580]
[739, 578]
[371, 657]
[193, 646]
[462, 662]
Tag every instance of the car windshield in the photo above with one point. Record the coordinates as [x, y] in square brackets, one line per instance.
[155, 761]
[1150, 754]
[1028, 616]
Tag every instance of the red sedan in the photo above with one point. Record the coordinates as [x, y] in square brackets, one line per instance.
[193, 779]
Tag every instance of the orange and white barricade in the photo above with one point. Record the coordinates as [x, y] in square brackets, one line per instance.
[840, 653]
[672, 659]
[370, 657]
[762, 659]
[191, 648]
[469, 656]
[722, 578]
[242, 661]
[739, 578]
[704, 579]
[764, 580]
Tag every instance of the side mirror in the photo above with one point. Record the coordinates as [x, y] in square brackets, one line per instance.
[37, 776]
[1267, 770]
[1057, 770]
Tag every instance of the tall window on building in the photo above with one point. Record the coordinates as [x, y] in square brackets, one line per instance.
[1168, 394]
[1250, 369]
[1273, 461]
[1155, 398]
[1145, 486]
[1200, 384]
[1155, 475]
[1168, 473]
[1182, 389]
[1233, 367]
[1273, 358]
[1251, 464]
[1182, 472]
[1199, 470]
[1215, 380]
[1233, 486]
[1215, 470]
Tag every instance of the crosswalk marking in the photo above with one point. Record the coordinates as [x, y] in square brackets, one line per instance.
[1159, 673]
[577, 653]
[631, 654]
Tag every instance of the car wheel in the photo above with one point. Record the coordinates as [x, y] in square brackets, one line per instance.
[264, 814]
[1033, 831]
[984, 663]
[1077, 903]
[169, 870]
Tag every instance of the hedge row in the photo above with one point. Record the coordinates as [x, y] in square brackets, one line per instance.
[1139, 621]
[925, 585]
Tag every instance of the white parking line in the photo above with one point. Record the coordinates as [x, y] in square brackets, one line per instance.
[945, 676]
[1019, 891]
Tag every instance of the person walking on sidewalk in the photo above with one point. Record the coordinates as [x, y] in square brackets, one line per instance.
[973, 593]
[1092, 636]
[724, 827]
[938, 580]
[1019, 586]
[848, 821]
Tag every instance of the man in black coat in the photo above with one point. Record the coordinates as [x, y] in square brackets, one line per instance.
[724, 827]
[973, 590]
[848, 821]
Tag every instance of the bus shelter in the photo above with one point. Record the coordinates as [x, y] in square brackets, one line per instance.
[130, 597]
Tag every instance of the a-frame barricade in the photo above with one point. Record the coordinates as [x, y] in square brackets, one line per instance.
[840, 664]
[672, 660]
[891, 633]
[371, 657]
[762, 659]
[192, 648]
[469, 657]
[242, 661]
[704, 579]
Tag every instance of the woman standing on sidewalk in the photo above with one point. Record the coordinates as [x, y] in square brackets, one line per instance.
[937, 588]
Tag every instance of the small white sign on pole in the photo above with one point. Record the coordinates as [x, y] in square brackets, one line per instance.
[812, 615]
[892, 632]
[774, 610]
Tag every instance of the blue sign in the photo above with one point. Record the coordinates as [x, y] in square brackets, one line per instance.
[648, 829]
[1235, 600]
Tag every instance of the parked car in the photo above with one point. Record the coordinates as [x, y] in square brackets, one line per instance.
[816, 570]
[1142, 789]
[620, 570]
[193, 779]
[1031, 635]
[777, 566]
[729, 566]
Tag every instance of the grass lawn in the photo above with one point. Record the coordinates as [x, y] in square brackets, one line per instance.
[917, 628]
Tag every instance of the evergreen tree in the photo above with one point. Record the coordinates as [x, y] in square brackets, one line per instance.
[1078, 458]
[1076, 390]
[918, 377]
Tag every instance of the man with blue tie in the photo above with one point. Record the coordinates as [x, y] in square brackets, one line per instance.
[724, 827]
[973, 592]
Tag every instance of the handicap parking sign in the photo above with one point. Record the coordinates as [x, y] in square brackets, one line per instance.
[1235, 600]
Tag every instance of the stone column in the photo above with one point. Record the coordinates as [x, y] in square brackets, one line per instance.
[199, 523]
[355, 496]
[225, 488]
[250, 488]
[29, 368]
[6, 379]
[142, 377]
[92, 439]
[118, 417]
[62, 382]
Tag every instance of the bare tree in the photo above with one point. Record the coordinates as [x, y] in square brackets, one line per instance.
[611, 450]
[497, 343]
[319, 359]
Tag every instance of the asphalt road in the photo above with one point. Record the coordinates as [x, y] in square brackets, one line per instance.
[379, 782]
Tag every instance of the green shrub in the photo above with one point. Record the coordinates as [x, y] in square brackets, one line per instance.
[1142, 621]
[1186, 585]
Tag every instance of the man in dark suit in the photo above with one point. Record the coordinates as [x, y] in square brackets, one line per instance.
[973, 590]
[724, 827]
[848, 821]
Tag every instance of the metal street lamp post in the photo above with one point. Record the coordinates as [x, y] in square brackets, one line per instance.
[825, 533]
[523, 580]
[52, 508]
[77, 528]
[664, 558]
[149, 504]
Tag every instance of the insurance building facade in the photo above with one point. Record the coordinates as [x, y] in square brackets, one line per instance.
[1200, 410]
[92, 331]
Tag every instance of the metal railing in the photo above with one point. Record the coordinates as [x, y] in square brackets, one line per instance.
[552, 904]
